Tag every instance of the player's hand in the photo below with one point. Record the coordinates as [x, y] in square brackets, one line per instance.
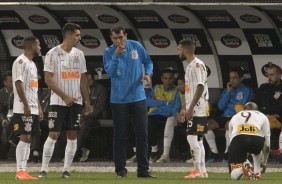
[27, 111]
[87, 108]
[69, 100]
[148, 79]
[120, 49]
[41, 114]
[189, 114]
[5, 122]
[263, 168]
[181, 116]
[229, 86]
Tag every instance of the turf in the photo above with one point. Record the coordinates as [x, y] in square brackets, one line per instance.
[163, 178]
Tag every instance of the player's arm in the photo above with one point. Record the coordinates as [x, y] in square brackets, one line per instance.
[21, 93]
[85, 92]
[196, 98]
[49, 80]
[266, 148]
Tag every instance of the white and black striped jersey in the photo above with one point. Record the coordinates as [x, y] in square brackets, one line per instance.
[25, 70]
[67, 69]
[196, 74]
[249, 122]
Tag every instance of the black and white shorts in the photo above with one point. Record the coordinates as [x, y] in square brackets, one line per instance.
[25, 124]
[64, 117]
[197, 126]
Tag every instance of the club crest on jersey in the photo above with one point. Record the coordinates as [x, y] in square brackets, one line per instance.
[75, 59]
[239, 96]
[20, 61]
[277, 95]
[134, 54]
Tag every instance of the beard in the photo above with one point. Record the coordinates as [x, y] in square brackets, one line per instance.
[182, 57]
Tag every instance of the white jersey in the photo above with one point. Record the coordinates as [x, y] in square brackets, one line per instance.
[249, 122]
[25, 70]
[195, 74]
[67, 69]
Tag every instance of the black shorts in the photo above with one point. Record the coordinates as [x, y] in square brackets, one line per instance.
[222, 121]
[198, 126]
[240, 146]
[25, 124]
[64, 117]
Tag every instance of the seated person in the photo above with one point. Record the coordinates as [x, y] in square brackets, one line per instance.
[162, 103]
[6, 113]
[172, 122]
[98, 99]
[232, 98]
[269, 101]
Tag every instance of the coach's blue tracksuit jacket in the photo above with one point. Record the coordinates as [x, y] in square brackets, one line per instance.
[227, 101]
[125, 71]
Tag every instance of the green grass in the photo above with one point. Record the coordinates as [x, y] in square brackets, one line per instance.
[163, 178]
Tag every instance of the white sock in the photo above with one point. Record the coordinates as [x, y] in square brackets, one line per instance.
[210, 138]
[21, 152]
[168, 134]
[280, 142]
[195, 150]
[26, 155]
[69, 153]
[48, 150]
[154, 148]
[256, 160]
[227, 140]
[236, 174]
[203, 154]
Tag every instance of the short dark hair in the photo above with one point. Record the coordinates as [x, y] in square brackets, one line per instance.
[70, 27]
[276, 67]
[237, 70]
[28, 41]
[6, 75]
[167, 70]
[117, 29]
[188, 43]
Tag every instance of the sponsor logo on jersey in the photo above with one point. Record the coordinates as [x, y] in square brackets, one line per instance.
[231, 41]
[70, 75]
[33, 83]
[247, 128]
[38, 19]
[52, 115]
[200, 128]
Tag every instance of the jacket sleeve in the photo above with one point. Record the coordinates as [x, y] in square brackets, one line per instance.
[224, 99]
[146, 60]
[248, 95]
[176, 104]
[152, 102]
[110, 62]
